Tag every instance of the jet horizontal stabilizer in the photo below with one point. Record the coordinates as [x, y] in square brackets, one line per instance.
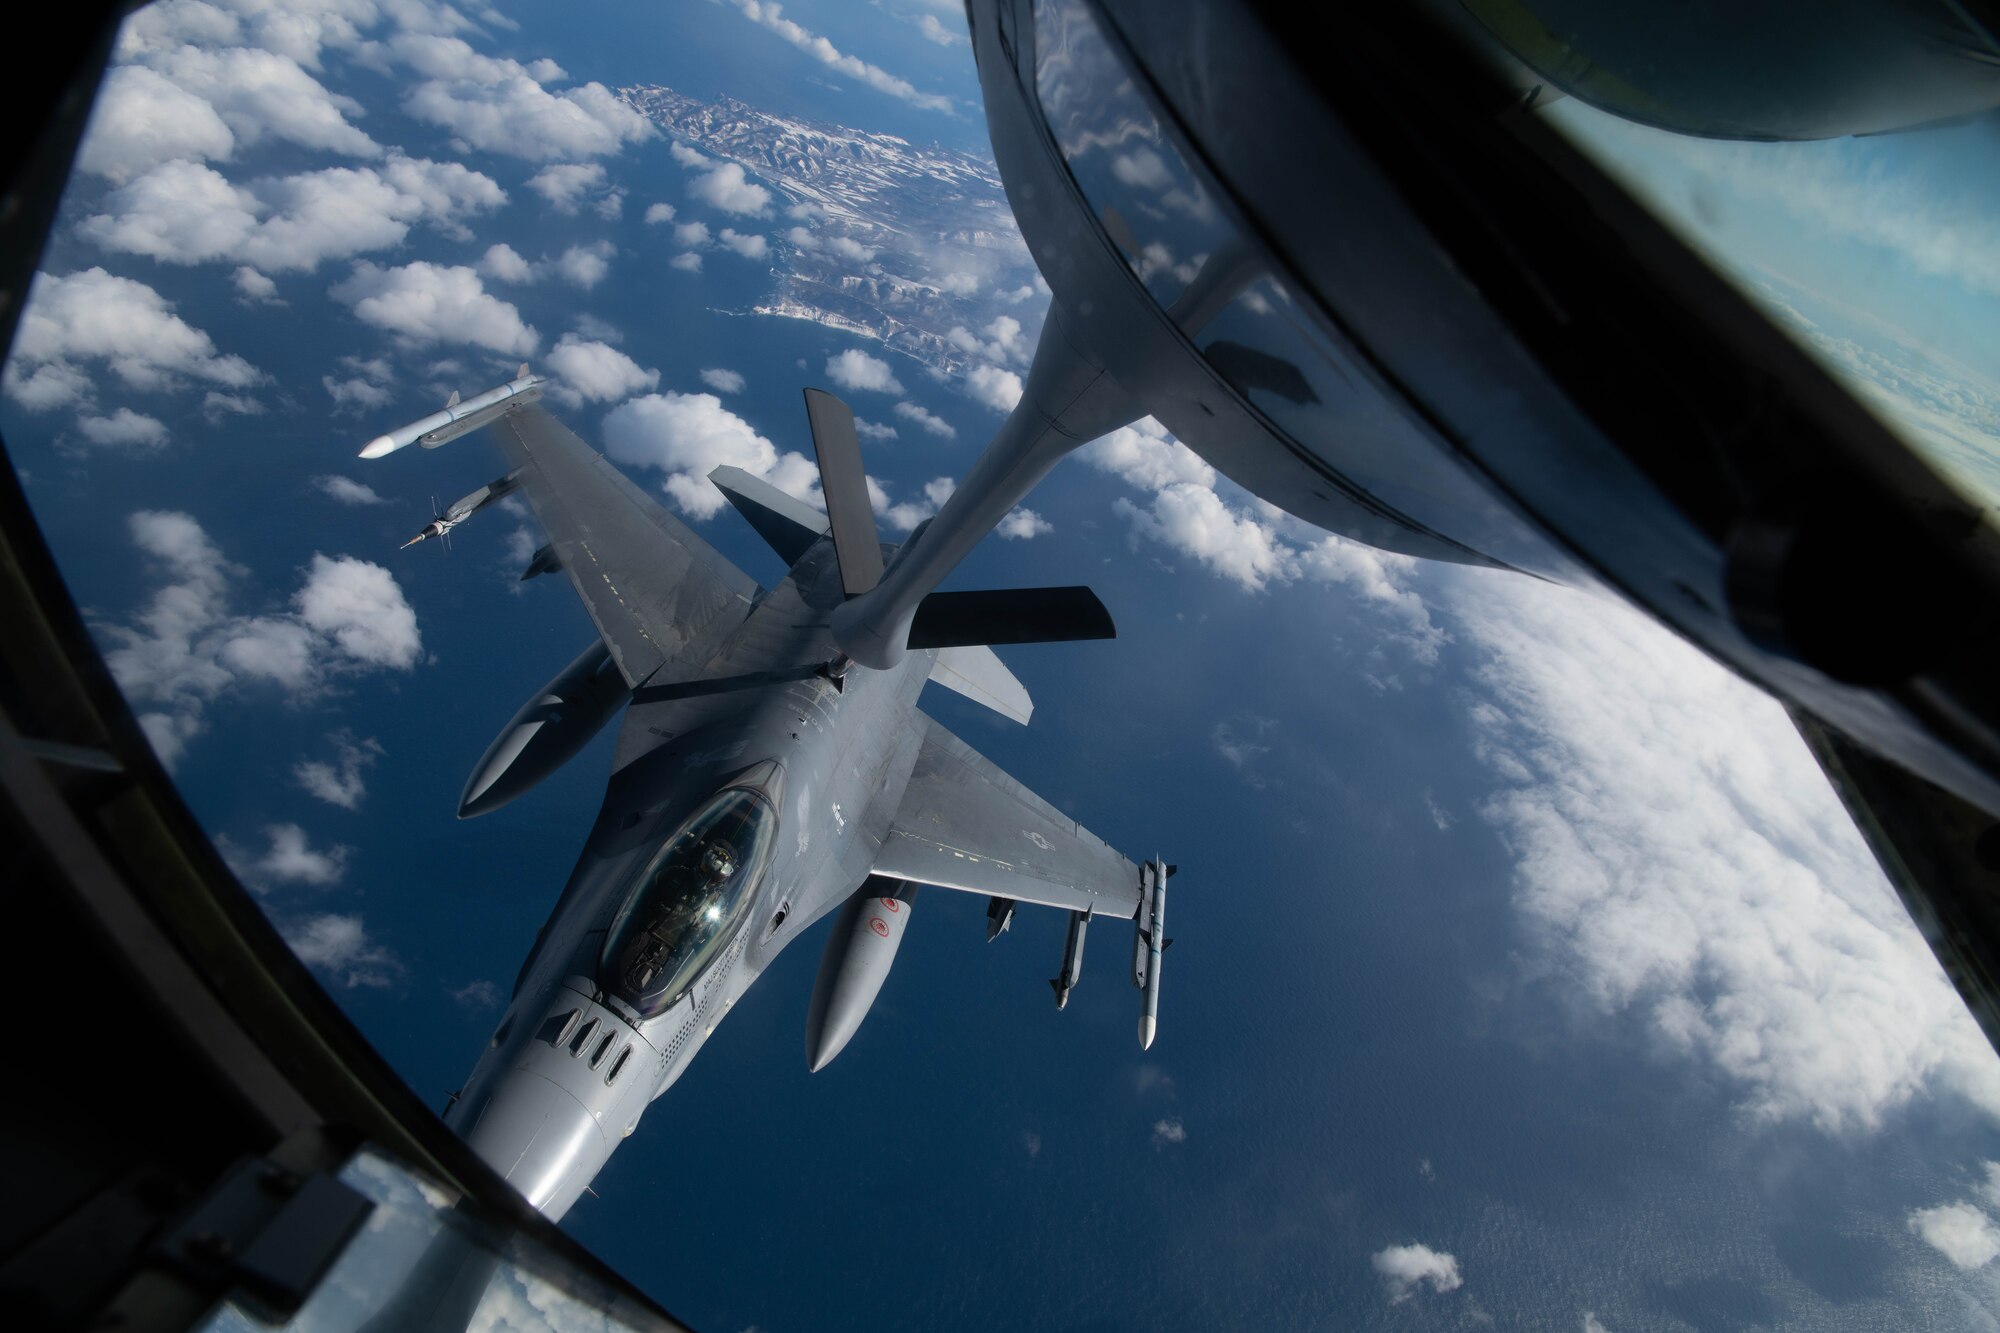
[787, 524]
[1010, 615]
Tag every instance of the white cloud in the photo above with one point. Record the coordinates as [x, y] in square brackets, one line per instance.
[750, 247]
[215, 406]
[261, 94]
[338, 781]
[348, 491]
[906, 515]
[1403, 1268]
[1023, 525]
[566, 184]
[873, 430]
[424, 303]
[802, 238]
[998, 389]
[142, 118]
[1681, 858]
[856, 370]
[931, 422]
[500, 107]
[504, 264]
[187, 213]
[723, 381]
[1960, 1232]
[477, 995]
[1592, 1324]
[290, 859]
[959, 284]
[597, 372]
[585, 265]
[355, 394]
[724, 186]
[1146, 456]
[255, 288]
[687, 263]
[1239, 751]
[124, 429]
[1249, 545]
[1168, 1132]
[819, 48]
[849, 248]
[360, 607]
[1990, 1190]
[46, 387]
[658, 213]
[928, 25]
[1196, 521]
[1373, 575]
[340, 946]
[93, 316]
[297, 29]
[1003, 341]
[692, 233]
[686, 156]
[686, 435]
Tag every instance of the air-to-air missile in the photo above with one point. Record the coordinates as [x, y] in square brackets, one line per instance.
[465, 507]
[999, 916]
[1148, 943]
[1072, 964]
[459, 417]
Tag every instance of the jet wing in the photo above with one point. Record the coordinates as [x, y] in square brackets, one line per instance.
[964, 824]
[662, 598]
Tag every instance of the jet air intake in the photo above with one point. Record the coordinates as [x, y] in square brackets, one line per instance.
[858, 953]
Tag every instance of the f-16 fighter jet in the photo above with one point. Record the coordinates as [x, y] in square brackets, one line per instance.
[760, 781]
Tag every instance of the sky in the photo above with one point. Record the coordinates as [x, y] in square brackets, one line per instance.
[1528, 973]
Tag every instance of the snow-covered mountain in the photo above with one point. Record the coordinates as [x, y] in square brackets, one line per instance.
[876, 235]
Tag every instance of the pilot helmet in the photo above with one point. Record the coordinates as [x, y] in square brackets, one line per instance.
[718, 862]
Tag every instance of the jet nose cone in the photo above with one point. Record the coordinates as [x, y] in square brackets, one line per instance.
[380, 445]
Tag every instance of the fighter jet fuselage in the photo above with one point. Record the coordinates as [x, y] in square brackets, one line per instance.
[807, 772]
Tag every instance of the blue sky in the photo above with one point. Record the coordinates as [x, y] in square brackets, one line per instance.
[1527, 971]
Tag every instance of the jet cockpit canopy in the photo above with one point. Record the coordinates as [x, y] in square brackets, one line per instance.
[686, 903]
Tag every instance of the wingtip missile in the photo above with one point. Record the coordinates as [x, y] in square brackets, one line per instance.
[458, 417]
[1151, 935]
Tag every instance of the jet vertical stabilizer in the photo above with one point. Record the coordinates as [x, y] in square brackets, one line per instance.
[845, 486]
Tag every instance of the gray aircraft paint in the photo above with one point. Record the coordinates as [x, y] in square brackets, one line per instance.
[727, 686]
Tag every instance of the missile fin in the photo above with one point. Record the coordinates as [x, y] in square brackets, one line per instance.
[452, 401]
